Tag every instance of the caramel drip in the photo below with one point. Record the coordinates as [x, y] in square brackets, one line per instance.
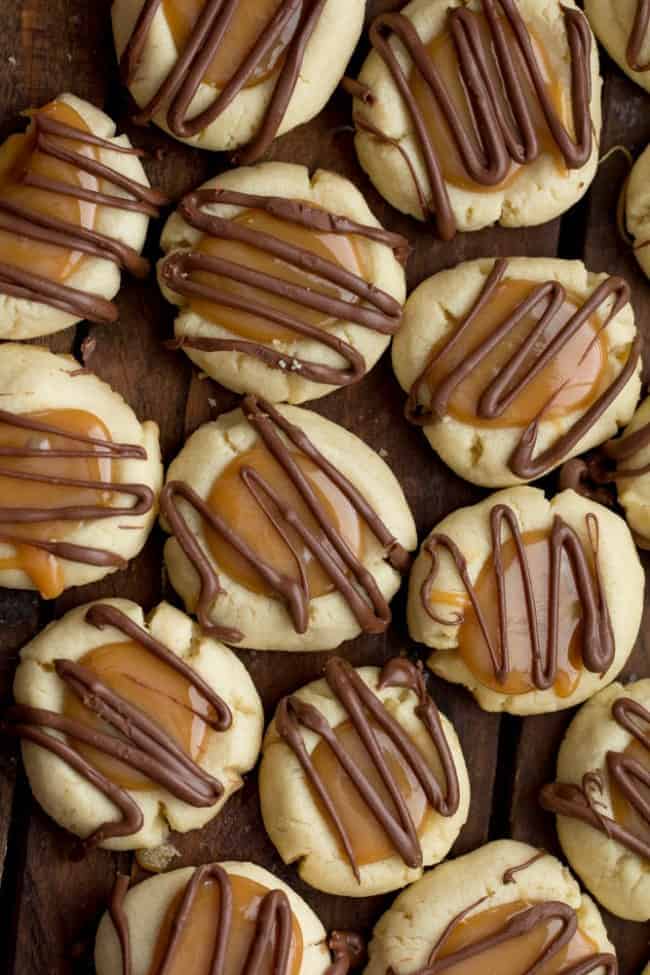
[205, 41]
[347, 573]
[511, 382]
[625, 772]
[638, 36]
[50, 136]
[362, 706]
[597, 635]
[503, 132]
[377, 310]
[139, 743]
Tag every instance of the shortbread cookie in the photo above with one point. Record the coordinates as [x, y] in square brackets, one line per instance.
[363, 782]
[623, 27]
[513, 366]
[75, 204]
[437, 134]
[180, 915]
[601, 798]
[132, 727]
[637, 207]
[497, 909]
[223, 75]
[289, 533]
[488, 570]
[287, 286]
[79, 474]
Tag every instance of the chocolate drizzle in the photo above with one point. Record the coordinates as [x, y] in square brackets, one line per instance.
[504, 131]
[638, 37]
[597, 635]
[348, 951]
[355, 583]
[210, 31]
[49, 136]
[508, 384]
[364, 709]
[140, 742]
[375, 309]
[584, 802]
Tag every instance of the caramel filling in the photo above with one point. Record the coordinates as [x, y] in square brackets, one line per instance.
[472, 645]
[570, 381]
[340, 249]
[156, 689]
[248, 23]
[43, 568]
[368, 840]
[20, 158]
[195, 949]
[232, 499]
[442, 52]
[623, 810]
[515, 956]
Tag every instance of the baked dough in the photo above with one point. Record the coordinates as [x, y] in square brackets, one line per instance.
[539, 193]
[302, 833]
[244, 373]
[634, 492]
[264, 621]
[617, 877]
[612, 22]
[480, 454]
[33, 379]
[637, 207]
[145, 906]
[24, 319]
[406, 934]
[325, 58]
[470, 529]
[68, 797]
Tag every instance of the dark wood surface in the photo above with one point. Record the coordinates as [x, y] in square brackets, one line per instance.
[50, 904]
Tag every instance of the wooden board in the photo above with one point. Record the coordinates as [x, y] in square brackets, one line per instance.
[50, 905]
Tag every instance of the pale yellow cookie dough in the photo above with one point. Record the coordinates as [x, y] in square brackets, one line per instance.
[617, 877]
[406, 934]
[147, 903]
[469, 528]
[480, 454]
[302, 833]
[24, 319]
[67, 796]
[33, 379]
[539, 193]
[637, 208]
[634, 492]
[244, 373]
[325, 58]
[612, 22]
[265, 622]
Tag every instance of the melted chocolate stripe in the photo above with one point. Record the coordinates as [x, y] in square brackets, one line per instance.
[362, 705]
[638, 36]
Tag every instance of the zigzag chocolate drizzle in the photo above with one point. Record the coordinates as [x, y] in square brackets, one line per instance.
[504, 132]
[24, 222]
[353, 580]
[638, 37]
[506, 386]
[140, 742]
[377, 310]
[597, 634]
[577, 801]
[362, 707]
[208, 34]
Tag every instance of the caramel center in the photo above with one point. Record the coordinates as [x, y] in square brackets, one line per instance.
[624, 812]
[196, 946]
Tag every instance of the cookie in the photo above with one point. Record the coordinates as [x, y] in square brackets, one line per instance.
[494, 910]
[362, 782]
[160, 723]
[79, 474]
[441, 140]
[286, 284]
[266, 913]
[637, 208]
[220, 76]
[289, 533]
[491, 568]
[601, 798]
[513, 366]
[623, 28]
[75, 204]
